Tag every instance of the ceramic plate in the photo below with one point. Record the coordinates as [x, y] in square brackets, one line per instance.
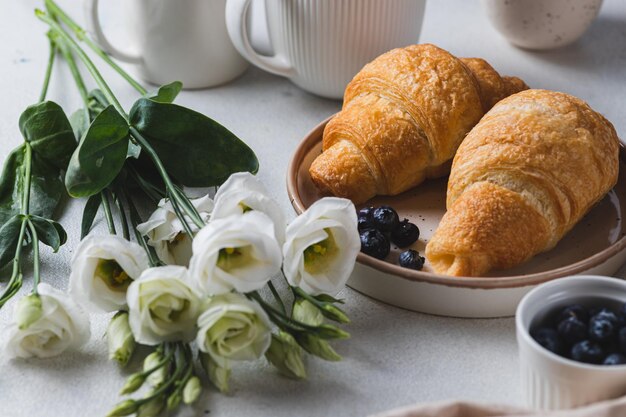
[597, 245]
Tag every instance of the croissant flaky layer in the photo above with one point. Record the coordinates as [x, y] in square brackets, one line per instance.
[522, 178]
[403, 118]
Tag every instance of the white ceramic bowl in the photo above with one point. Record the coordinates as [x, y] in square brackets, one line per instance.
[541, 24]
[550, 381]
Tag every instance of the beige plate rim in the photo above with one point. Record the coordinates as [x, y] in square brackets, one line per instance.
[313, 137]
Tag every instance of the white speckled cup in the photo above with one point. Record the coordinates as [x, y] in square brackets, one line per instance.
[550, 381]
[541, 24]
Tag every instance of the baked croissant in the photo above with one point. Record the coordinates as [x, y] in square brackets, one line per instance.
[521, 179]
[403, 118]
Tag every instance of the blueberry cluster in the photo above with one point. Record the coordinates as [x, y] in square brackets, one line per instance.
[379, 226]
[590, 335]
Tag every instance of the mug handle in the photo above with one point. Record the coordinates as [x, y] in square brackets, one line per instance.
[92, 19]
[236, 23]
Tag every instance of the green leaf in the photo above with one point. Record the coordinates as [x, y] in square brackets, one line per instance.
[46, 127]
[9, 235]
[80, 123]
[46, 188]
[100, 156]
[166, 93]
[89, 214]
[196, 150]
[49, 232]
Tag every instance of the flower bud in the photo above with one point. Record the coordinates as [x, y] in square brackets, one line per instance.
[173, 400]
[285, 354]
[152, 360]
[305, 312]
[218, 375]
[120, 339]
[125, 408]
[327, 331]
[192, 390]
[335, 313]
[318, 347]
[133, 383]
[152, 408]
[28, 311]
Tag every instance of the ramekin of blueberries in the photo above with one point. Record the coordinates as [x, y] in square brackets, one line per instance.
[381, 226]
[571, 335]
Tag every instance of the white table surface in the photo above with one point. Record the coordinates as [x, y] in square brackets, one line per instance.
[395, 357]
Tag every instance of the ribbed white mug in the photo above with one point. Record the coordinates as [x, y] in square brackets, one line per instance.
[321, 44]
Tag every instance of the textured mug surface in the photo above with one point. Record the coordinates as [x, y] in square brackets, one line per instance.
[541, 24]
[184, 40]
[550, 381]
[321, 44]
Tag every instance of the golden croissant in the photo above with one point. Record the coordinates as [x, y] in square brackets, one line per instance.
[521, 179]
[403, 118]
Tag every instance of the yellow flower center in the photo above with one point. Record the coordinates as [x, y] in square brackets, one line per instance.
[319, 254]
[112, 274]
[245, 208]
[230, 258]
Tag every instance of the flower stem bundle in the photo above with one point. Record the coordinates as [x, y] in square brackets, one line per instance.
[199, 279]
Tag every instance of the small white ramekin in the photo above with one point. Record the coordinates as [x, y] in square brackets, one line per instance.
[550, 381]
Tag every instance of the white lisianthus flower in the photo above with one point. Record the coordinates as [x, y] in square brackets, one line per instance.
[102, 269]
[163, 306]
[233, 328]
[62, 325]
[322, 246]
[243, 192]
[166, 234]
[235, 253]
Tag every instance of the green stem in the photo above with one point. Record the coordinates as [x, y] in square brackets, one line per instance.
[35, 238]
[46, 80]
[82, 36]
[135, 219]
[180, 367]
[277, 297]
[173, 192]
[15, 283]
[122, 210]
[85, 59]
[28, 162]
[181, 217]
[107, 212]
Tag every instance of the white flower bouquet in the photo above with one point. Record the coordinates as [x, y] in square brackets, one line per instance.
[193, 282]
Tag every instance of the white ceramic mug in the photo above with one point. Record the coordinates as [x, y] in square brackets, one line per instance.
[321, 44]
[541, 24]
[184, 40]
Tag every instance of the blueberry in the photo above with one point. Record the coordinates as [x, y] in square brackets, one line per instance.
[375, 244]
[365, 212]
[621, 337]
[405, 234]
[365, 223]
[606, 314]
[385, 218]
[601, 329]
[411, 259]
[615, 359]
[587, 351]
[548, 338]
[575, 310]
[572, 330]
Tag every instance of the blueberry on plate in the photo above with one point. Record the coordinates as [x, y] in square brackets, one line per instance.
[385, 218]
[615, 359]
[587, 351]
[601, 329]
[405, 234]
[375, 244]
[548, 338]
[621, 338]
[365, 212]
[572, 330]
[411, 259]
[365, 223]
[576, 311]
